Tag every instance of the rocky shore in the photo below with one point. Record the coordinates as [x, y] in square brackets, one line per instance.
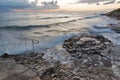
[83, 57]
[90, 57]
[115, 15]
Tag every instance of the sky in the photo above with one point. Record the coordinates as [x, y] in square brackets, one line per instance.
[69, 5]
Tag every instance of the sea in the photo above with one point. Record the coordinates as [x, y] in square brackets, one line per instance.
[37, 31]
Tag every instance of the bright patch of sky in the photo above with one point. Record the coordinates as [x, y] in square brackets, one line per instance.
[65, 4]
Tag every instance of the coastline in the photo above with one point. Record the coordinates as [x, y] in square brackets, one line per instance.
[69, 66]
[67, 63]
[115, 15]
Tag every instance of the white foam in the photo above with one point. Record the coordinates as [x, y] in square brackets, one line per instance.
[114, 37]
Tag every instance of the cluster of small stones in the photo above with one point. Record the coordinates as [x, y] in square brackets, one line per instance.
[29, 67]
[33, 67]
[87, 44]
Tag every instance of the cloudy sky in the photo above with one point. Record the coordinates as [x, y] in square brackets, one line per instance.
[64, 4]
[93, 1]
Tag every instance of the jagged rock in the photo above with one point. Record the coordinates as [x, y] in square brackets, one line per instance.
[87, 44]
[35, 78]
[6, 55]
[89, 50]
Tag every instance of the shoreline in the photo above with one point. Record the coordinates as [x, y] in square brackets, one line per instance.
[63, 64]
[84, 57]
[115, 27]
[115, 15]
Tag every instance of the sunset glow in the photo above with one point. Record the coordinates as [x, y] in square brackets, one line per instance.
[88, 7]
[69, 5]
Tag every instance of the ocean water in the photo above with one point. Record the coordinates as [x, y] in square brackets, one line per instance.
[21, 32]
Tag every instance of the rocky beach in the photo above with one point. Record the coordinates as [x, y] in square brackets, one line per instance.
[115, 15]
[81, 57]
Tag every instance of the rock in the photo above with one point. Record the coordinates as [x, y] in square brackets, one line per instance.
[87, 44]
[29, 73]
[3, 75]
[114, 14]
[17, 77]
[84, 63]
[116, 70]
[89, 50]
[76, 78]
[35, 78]
[20, 68]
[115, 27]
[117, 63]
[6, 55]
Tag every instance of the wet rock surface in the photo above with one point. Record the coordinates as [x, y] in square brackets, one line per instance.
[72, 64]
[87, 44]
[116, 15]
[94, 51]
[115, 27]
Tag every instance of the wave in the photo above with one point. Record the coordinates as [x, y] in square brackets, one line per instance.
[55, 17]
[38, 18]
[92, 16]
[23, 27]
[34, 26]
[41, 26]
[61, 17]
[100, 26]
